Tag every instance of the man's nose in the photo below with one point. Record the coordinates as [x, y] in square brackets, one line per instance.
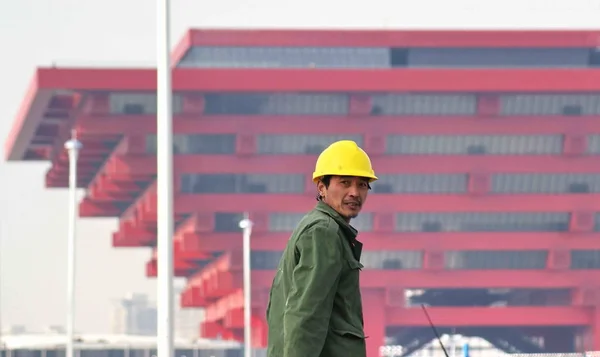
[353, 191]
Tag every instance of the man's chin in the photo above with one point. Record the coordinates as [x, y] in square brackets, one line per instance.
[352, 215]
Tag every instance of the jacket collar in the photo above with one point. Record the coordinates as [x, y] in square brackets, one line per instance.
[349, 231]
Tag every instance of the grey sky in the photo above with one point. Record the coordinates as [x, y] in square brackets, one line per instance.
[122, 33]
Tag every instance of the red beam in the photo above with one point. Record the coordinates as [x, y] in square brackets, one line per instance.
[106, 188]
[491, 316]
[181, 269]
[187, 203]
[441, 241]
[29, 115]
[293, 80]
[396, 164]
[138, 208]
[231, 302]
[184, 124]
[395, 38]
[88, 208]
[419, 279]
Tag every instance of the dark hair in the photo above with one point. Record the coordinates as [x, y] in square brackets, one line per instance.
[326, 181]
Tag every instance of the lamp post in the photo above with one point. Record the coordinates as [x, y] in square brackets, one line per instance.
[164, 184]
[72, 146]
[246, 226]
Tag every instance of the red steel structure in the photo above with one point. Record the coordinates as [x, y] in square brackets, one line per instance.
[487, 144]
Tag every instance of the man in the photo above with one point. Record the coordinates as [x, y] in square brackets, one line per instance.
[315, 307]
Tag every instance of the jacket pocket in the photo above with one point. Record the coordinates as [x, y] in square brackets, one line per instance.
[348, 333]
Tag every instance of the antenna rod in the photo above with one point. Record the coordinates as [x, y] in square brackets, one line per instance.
[435, 331]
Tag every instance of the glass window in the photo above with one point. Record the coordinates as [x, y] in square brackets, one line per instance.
[276, 104]
[546, 183]
[424, 104]
[232, 183]
[421, 183]
[265, 260]
[597, 222]
[380, 57]
[585, 259]
[488, 260]
[208, 144]
[483, 222]
[138, 103]
[550, 104]
[227, 222]
[299, 144]
[498, 57]
[287, 222]
[286, 57]
[392, 260]
[474, 144]
[593, 144]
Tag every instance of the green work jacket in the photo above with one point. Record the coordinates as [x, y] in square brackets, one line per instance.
[315, 307]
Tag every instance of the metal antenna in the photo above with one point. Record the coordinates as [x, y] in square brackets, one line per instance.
[435, 331]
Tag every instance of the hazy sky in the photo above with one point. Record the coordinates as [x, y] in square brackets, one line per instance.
[122, 33]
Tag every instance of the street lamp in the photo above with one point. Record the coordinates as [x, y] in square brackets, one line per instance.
[72, 146]
[164, 182]
[246, 226]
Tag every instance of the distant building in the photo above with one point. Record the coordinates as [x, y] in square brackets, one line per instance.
[134, 315]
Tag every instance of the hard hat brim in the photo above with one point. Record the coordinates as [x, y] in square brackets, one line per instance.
[318, 176]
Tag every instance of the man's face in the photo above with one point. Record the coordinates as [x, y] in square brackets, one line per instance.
[345, 194]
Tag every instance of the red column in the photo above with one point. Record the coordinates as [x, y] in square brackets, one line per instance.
[374, 312]
[488, 105]
[595, 329]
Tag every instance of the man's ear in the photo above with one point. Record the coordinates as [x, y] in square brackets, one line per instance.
[321, 188]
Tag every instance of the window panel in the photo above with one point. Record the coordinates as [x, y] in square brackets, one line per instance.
[265, 260]
[287, 222]
[585, 259]
[424, 104]
[483, 222]
[138, 103]
[286, 57]
[276, 104]
[231, 183]
[379, 57]
[392, 260]
[488, 260]
[420, 183]
[550, 104]
[284, 222]
[498, 57]
[474, 144]
[299, 144]
[227, 222]
[545, 183]
[597, 222]
[593, 144]
[208, 144]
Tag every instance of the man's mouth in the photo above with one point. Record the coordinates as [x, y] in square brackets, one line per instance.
[353, 205]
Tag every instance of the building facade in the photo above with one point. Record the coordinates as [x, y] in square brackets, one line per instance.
[487, 145]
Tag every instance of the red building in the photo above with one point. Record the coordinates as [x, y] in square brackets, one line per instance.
[487, 145]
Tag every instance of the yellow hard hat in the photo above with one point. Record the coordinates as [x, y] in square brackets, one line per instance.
[344, 158]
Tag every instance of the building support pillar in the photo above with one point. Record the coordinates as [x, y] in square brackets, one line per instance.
[374, 315]
[595, 329]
